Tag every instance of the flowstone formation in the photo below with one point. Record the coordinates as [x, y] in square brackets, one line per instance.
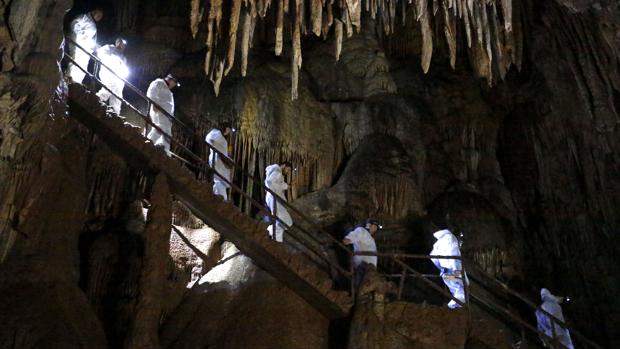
[527, 168]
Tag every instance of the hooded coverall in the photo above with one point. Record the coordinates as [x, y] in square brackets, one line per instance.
[274, 180]
[450, 270]
[160, 93]
[113, 60]
[84, 33]
[551, 304]
[217, 140]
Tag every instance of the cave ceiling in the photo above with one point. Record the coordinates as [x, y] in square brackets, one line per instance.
[492, 30]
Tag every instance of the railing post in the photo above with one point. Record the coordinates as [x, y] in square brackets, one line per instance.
[274, 228]
[465, 283]
[402, 283]
[352, 270]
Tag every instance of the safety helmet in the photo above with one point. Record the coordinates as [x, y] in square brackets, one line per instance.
[172, 77]
[120, 41]
[374, 222]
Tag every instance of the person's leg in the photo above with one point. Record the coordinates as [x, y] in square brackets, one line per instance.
[116, 102]
[103, 94]
[360, 274]
[279, 232]
[153, 134]
[270, 230]
[165, 124]
[219, 189]
[564, 338]
[81, 58]
[455, 286]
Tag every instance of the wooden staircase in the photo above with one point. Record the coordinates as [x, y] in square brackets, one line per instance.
[250, 236]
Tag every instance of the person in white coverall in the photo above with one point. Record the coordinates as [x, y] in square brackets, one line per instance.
[362, 240]
[450, 270]
[84, 33]
[160, 92]
[217, 139]
[555, 332]
[274, 180]
[113, 59]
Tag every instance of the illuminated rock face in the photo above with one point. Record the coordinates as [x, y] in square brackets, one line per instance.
[527, 170]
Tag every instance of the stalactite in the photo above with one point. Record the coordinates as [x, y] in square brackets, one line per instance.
[296, 56]
[354, 10]
[450, 32]
[279, 28]
[232, 35]
[427, 36]
[317, 16]
[215, 16]
[338, 30]
[245, 42]
[494, 24]
[195, 16]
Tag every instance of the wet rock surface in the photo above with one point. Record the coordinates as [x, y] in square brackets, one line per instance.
[237, 305]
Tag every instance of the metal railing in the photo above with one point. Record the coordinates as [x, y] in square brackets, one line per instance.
[297, 236]
[575, 334]
[506, 316]
[399, 259]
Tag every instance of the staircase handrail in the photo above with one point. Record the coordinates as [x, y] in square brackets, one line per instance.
[261, 207]
[396, 257]
[228, 159]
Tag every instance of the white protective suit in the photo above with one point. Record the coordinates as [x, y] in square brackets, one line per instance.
[451, 270]
[114, 59]
[274, 180]
[84, 33]
[551, 304]
[160, 93]
[362, 242]
[217, 140]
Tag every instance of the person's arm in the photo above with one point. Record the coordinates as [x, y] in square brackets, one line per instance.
[350, 238]
[281, 182]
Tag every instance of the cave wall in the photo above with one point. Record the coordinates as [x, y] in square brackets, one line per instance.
[559, 158]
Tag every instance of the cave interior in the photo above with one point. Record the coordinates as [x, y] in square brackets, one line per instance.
[497, 120]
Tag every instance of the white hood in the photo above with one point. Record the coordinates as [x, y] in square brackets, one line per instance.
[441, 233]
[546, 296]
